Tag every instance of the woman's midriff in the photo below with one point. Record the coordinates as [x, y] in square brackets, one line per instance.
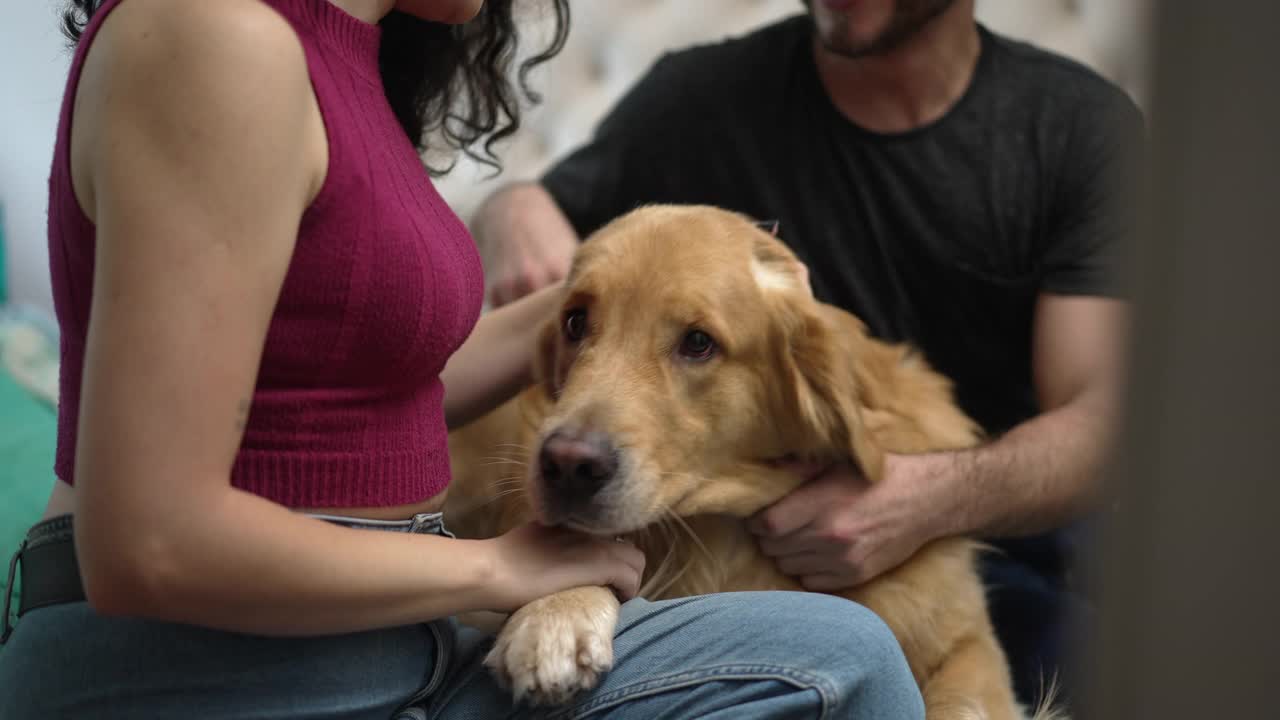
[63, 501]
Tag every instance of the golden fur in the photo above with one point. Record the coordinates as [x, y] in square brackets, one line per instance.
[792, 377]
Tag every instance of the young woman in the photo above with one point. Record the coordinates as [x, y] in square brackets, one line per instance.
[263, 300]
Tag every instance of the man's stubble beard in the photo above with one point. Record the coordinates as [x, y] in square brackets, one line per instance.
[909, 16]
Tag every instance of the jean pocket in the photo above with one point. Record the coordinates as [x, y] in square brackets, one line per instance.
[442, 636]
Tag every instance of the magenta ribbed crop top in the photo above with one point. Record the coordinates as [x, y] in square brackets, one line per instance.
[383, 286]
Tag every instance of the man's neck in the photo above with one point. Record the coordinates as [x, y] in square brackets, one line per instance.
[911, 85]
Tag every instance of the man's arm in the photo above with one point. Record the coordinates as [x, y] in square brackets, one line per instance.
[1044, 472]
[837, 531]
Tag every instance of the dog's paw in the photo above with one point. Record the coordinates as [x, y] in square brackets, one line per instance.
[550, 650]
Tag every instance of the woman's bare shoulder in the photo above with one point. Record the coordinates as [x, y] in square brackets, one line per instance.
[202, 84]
[161, 38]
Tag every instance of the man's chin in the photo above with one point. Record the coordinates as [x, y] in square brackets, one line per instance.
[840, 35]
[834, 36]
[842, 47]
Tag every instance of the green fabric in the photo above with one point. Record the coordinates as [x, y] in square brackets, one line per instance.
[28, 434]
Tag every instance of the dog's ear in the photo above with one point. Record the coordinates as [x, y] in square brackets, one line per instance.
[829, 394]
[819, 349]
[822, 388]
[775, 267]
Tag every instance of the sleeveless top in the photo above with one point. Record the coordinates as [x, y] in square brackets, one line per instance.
[383, 286]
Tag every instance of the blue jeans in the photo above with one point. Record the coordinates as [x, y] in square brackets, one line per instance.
[732, 656]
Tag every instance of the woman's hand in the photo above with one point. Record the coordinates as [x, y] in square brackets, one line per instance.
[533, 561]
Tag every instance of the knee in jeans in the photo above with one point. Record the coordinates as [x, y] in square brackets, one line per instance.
[844, 623]
[858, 655]
[843, 636]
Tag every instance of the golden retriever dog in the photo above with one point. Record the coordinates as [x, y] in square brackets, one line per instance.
[688, 357]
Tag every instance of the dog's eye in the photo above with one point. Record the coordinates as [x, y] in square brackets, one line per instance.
[575, 324]
[697, 345]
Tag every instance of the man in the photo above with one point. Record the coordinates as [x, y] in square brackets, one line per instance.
[955, 189]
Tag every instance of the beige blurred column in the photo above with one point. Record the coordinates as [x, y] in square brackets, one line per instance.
[1191, 619]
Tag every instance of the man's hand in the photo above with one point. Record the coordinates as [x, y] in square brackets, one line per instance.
[837, 530]
[525, 263]
[525, 241]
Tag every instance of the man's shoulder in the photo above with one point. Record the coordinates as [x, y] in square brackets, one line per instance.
[1055, 77]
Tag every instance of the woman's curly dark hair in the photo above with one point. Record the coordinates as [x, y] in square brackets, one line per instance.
[450, 86]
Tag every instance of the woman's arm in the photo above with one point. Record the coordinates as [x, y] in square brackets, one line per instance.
[496, 361]
[197, 146]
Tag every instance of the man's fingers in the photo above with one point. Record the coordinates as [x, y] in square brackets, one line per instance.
[556, 272]
[530, 278]
[525, 282]
[776, 521]
[497, 297]
[780, 519]
[799, 542]
[789, 514]
[505, 290]
[512, 288]
[802, 564]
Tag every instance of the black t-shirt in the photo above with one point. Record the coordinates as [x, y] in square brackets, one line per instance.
[942, 236]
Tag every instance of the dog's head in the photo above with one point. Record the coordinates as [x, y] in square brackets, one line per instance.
[688, 347]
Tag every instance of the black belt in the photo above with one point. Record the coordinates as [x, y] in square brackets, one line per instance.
[51, 573]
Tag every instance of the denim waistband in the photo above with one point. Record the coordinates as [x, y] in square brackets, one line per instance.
[431, 523]
[60, 528]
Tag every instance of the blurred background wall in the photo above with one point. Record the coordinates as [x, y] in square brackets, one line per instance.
[611, 43]
[1189, 562]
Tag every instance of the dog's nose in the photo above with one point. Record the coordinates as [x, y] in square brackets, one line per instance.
[577, 464]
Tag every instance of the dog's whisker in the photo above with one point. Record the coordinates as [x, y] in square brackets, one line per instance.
[490, 461]
[508, 451]
[509, 458]
[711, 568]
[518, 491]
[694, 537]
[662, 579]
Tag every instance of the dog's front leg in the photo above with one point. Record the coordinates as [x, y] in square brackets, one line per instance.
[556, 646]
